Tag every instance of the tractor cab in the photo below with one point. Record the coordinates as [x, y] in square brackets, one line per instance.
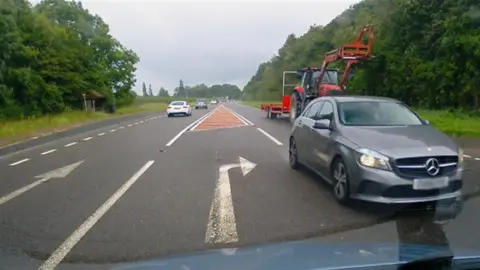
[315, 84]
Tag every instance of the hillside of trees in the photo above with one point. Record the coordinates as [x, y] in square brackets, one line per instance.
[205, 91]
[52, 53]
[427, 53]
[199, 90]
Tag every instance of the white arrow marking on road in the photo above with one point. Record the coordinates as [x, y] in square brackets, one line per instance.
[58, 173]
[222, 227]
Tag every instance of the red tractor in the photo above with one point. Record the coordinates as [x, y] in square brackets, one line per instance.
[318, 82]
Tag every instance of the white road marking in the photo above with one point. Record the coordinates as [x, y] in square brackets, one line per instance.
[87, 139]
[129, 125]
[222, 227]
[101, 134]
[477, 158]
[36, 137]
[122, 127]
[142, 122]
[19, 162]
[467, 156]
[48, 152]
[70, 144]
[113, 130]
[241, 117]
[58, 173]
[59, 254]
[270, 136]
[201, 119]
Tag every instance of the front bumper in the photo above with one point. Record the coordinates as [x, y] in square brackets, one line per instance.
[387, 187]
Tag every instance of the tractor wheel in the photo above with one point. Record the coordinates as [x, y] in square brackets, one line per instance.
[295, 107]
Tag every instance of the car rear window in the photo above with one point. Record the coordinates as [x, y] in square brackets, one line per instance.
[177, 103]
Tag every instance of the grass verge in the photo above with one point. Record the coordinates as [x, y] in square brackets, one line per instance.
[19, 130]
[455, 124]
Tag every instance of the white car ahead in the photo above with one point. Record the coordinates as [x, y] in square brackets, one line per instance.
[213, 102]
[179, 107]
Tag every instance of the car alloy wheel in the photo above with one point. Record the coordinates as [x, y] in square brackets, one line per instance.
[293, 154]
[340, 182]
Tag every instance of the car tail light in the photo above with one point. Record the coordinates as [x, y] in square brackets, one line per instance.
[169, 107]
[185, 107]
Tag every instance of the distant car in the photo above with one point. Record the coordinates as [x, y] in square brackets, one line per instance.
[201, 104]
[214, 101]
[179, 108]
[378, 150]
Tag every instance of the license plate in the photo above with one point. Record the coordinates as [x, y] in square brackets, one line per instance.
[430, 183]
[176, 108]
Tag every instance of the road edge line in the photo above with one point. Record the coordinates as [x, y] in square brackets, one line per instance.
[59, 254]
[241, 117]
[270, 136]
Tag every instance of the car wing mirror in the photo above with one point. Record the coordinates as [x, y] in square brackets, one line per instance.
[426, 121]
[322, 124]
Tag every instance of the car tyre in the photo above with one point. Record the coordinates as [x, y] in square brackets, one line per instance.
[293, 155]
[340, 183]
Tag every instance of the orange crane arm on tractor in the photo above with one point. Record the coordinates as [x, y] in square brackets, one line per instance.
[354, 52]
[317, 82]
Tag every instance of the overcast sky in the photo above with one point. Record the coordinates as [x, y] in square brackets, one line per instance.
[210, 42]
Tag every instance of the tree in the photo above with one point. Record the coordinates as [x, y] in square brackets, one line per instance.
[150, 92]
[163, 93]
[180, 91]
[54, 52]
[427, 53]
[144, 90]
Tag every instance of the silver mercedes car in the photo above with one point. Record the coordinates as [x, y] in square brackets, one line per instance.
[376, 149]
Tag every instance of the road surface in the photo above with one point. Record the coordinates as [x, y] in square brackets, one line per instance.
[159, 186]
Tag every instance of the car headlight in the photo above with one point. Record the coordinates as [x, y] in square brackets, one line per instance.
[373, 159]
[460, 156]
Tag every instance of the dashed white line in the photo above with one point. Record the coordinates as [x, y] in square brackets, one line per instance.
[19, 162]
[87, 139]
[142, 122]
[129, 125]
[59, 254]
[70, 144]
[122, 127]
[101, 134]
[477, 158]
[467, 156]
[270, 136]
[113, 130]
[48, 152]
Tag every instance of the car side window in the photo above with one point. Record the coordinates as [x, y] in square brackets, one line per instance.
[326, 112]
[314, 110]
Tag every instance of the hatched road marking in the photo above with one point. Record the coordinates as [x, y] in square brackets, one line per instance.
[221, 117]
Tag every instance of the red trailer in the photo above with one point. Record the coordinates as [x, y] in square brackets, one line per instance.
[275, 109]
[317, 82]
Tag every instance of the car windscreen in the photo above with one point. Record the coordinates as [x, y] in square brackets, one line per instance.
[376, 113]
[177, 103]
